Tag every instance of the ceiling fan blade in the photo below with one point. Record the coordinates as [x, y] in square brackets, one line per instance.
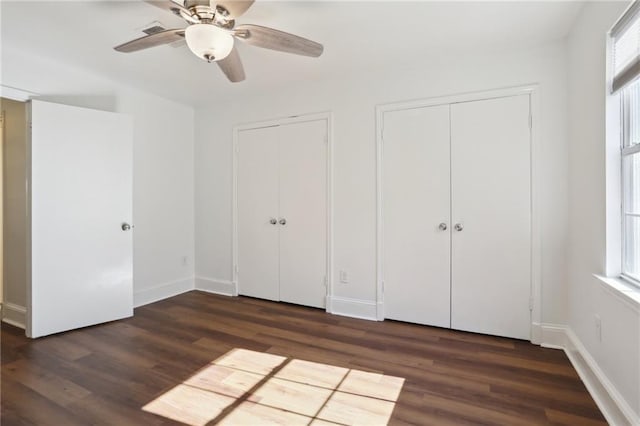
[232, 67]
[270, 38]
[234, 7]
[153, 40]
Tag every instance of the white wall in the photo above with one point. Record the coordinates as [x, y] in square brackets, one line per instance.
[618, 353]
[15, 209]
[352, 100]
[163, 164]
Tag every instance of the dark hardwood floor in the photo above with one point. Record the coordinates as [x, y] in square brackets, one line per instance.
[105, 374]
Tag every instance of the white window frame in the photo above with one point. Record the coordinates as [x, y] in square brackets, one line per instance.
[625, 151]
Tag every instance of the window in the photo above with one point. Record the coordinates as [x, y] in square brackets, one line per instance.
[625, 84]
[631, 181]
[626, 48]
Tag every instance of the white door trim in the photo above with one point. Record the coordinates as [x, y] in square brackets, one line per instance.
[20, 95]
[536, 229]
[328, 117]
[14, 94]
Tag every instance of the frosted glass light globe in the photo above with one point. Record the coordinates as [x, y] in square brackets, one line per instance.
[208, 42]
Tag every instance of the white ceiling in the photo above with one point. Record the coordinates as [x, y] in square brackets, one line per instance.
[358, 36]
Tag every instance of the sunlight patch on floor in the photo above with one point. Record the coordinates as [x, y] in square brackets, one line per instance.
[248, 387]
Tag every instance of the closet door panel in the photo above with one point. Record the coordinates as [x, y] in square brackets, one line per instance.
[415, 201]
[303, 205]
[491, 199]
[257, 181]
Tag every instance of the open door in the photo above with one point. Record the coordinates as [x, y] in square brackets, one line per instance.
[81, 257]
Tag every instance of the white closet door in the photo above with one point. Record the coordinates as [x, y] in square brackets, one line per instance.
[257, 203]
[303, 205]
[491, 200]
[416, 200]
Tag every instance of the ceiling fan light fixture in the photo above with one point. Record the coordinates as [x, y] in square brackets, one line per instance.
[208, 41]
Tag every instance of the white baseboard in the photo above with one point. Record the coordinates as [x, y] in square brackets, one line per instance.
[549, 335]
[162, 291]
[613, 406]
[15, 315]
[536, 333]
[355, 308]
[226, 288]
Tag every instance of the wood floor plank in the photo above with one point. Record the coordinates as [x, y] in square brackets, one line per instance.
[528, 364]
[47, 383]
[484, 414]
[102, 411]
[507, 376]
[578, 402]
[437, 382]
[162, 357]
[413, 411]
[23, 406]
[558, 417]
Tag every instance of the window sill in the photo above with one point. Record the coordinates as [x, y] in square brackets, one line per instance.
[621, 288]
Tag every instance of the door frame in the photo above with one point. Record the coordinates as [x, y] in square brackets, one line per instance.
[535, 301]
[20, 95]
[328, 118]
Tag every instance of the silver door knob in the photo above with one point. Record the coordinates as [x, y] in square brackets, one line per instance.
[273, 221]
[283, 221]
[125, 226]
[442, 226]
[458, 227]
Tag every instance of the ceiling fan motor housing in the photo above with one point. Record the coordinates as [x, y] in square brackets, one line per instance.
[198, 13]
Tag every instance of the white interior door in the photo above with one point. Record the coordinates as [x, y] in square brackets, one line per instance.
[416, 197]
[257, 210]
[491, 200]
[81, 194]
[303, 212]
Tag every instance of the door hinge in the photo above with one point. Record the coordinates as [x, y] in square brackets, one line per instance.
[531, 303]
[236, 269]
[325, 281]
[382, 287]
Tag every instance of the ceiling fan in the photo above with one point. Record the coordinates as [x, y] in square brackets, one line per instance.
[211, 32]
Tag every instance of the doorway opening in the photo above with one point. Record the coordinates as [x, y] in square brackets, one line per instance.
[13, 211]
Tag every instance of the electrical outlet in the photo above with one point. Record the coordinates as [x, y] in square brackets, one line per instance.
[598, 323]
[344, 277]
